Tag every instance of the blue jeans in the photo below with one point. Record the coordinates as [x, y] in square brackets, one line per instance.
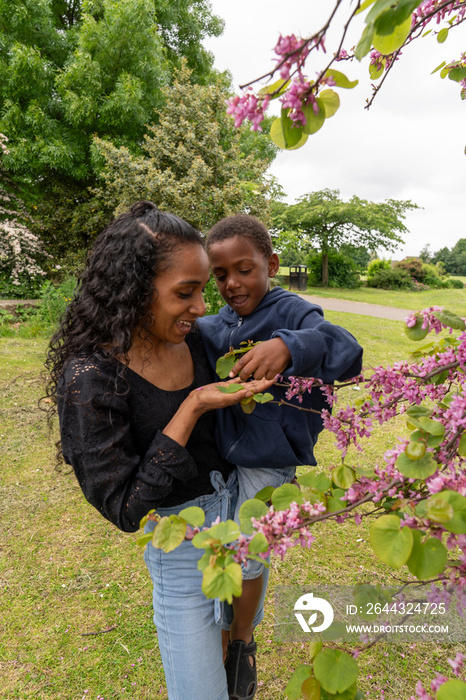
[189, 624]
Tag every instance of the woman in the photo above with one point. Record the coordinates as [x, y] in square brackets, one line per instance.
[126, 367]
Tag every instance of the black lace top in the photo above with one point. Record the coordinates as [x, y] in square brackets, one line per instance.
[111, 434]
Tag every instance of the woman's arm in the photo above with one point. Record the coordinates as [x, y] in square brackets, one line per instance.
[97, 440]
[207, 398]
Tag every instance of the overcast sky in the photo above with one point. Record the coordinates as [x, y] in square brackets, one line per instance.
[409, 145]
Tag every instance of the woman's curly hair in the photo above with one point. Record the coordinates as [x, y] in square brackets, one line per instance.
[115, 291]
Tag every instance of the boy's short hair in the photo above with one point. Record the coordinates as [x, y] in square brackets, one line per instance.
[242, 225]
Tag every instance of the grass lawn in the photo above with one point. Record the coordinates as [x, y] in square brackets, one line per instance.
[75, 603]
[452, 299]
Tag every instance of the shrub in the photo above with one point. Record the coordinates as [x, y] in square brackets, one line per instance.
[390, 279]
[54, 299]
[212, 298]
[22, 255]
[432, 276]
[342, 271]
[24, 286]
[375, 266]
[413, 266]
[453, 283]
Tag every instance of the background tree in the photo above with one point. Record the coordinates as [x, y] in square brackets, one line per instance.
[193, 165]
[323, 220]
[72, 69]
[454, 260]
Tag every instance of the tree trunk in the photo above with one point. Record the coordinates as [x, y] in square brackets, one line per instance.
[324, 268]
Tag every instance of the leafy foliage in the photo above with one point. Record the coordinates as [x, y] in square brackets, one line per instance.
[342, 270]
[324, 220]
[192, 166]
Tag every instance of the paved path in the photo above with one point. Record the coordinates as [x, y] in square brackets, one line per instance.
[358, 307]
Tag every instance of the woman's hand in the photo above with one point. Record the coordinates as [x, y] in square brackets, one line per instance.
[207, 398]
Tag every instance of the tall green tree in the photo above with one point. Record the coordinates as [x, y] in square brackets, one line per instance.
[73, 69]
[323, 220]
[192, 164]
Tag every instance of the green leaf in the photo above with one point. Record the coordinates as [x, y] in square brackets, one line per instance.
[310, 689]
[316, 480]
[278, 137]
[314, 647]
[343, 476]
[389, 43]
[222, 582]
[417, 411]
[391, 543]
[337, 630]
[442, 35]
[145, 519]
[334, 505]
[330, 101]
[448, 318]
[452, 690]
[375, 72]
[364, 6]
[169, 533]
[265, 494]
[222, 533]
[293, 689]
[416, 332]
[417, 469]
[335, 670]
[224, 365]
[348, 694]
[142, 541]
[230, 388]
[340, 79]
[263, 398]
[438, 510]
[279, 87]
[431, 426]
[398, 13]
[457, 524]
[428, 559]
[462, 446]
[248, 405]
[314, 121]
[365, 42]
[292, 131]
[366, 596]
[252, 508]
[415, 450]
[193, 515]
[457, 74]
[284, 495]
[258, 544]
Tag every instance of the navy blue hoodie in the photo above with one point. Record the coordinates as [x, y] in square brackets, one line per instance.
[280, 436]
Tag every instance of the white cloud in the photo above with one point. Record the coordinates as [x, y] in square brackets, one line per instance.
[409, 145]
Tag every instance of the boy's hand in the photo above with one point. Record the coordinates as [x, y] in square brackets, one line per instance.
[266, 359]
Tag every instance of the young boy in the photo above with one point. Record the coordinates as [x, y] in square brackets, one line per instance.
[269, 443]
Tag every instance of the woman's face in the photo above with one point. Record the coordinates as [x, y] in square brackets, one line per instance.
[178, 300]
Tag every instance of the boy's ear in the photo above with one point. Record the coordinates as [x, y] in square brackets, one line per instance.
[274, 264]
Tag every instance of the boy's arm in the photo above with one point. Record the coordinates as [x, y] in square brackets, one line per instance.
[269, 358]
[314, 348]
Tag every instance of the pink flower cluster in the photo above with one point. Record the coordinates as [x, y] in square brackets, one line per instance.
[248, 106]
[280, 527]
[429, 321]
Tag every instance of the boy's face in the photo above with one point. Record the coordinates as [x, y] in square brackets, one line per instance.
[242, 272]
